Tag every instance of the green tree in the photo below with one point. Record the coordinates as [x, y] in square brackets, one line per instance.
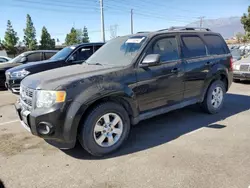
[245, 20]
[239, 37]
[46, 41]
[30, 34]
[10, 39]
[72, 37]
[85, 37]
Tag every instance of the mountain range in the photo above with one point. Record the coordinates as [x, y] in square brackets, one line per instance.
[227, 27]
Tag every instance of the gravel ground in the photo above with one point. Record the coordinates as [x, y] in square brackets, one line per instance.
[184, 148]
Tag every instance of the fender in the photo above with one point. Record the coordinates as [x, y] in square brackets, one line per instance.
[214, 74]
[92, 94]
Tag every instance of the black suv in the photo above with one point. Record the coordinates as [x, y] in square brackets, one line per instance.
[67, 56]
[130, 79]
[26, 57]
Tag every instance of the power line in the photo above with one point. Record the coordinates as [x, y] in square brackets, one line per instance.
[54, 4]
[144, 4]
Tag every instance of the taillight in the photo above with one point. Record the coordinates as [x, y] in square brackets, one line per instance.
[231, 64]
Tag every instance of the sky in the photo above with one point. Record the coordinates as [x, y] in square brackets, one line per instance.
[59, 16]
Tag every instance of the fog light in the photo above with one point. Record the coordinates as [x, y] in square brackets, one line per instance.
[45, 128]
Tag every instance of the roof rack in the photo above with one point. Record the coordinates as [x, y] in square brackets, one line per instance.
[185, 28]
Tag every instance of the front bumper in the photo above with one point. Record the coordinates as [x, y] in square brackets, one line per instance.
[55, 117]
[13, 85]
[240, 75]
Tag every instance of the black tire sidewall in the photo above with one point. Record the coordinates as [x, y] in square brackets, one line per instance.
[209, 106]
[87, 133]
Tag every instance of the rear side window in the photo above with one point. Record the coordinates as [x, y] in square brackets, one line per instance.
[167, 48]
[48, 54]
[193, 46]
[34, 57]
[216, 45]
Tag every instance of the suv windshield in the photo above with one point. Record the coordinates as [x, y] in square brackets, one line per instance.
[62, 54]
[119, 51]
[17, 58]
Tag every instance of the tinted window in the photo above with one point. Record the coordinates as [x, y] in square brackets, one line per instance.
[193, 46]
[96, 48]
[84, 53]
[48, 54]
[34, 57]
[216, 44]
[167, 48]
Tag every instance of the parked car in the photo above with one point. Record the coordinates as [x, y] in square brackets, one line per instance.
[67, 56]
[130, 79]
[237, 54]
[4, 59]
[24, 58]
[241, 70]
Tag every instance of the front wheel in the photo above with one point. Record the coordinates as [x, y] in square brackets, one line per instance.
[105, 129]
[214, 99]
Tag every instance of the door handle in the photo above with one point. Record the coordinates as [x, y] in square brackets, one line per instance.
[175, 70]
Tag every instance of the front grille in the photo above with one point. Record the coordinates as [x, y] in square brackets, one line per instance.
[26, 97]
[244, 68]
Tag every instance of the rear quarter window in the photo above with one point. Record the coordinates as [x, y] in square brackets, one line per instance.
[193, 46]
[216, 45]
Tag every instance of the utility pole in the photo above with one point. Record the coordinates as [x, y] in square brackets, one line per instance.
[132, 22]
[201, 20]
[102, 21]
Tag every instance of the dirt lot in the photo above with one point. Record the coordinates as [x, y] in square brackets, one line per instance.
[184, 148]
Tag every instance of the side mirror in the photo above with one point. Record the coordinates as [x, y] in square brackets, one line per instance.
[150, 60]
[23, 60]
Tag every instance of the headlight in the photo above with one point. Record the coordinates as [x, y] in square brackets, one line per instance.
[19, 74]
[236, 67]
[45, 99]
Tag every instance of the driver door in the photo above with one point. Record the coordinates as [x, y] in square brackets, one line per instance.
[162, 84]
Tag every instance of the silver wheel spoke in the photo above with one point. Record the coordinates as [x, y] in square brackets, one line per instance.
[110, 139]
[117, 131]
[101, 139]
[106, 118]
[115, 121]
[99, 128]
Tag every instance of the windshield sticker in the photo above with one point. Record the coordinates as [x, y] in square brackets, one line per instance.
[135, 40]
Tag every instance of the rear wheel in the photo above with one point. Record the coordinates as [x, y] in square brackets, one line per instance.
[214, 99]
[105, 129]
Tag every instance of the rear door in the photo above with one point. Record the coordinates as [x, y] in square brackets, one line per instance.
[197, 64]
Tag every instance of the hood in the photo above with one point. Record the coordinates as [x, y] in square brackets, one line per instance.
[52, 79]
[31, 65]
[7, 65]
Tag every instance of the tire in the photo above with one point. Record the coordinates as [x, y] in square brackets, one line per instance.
[92, 134]
[210, 104]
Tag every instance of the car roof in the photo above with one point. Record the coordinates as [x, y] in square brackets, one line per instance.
[37, 51]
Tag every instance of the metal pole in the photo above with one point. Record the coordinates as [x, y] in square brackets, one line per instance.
[131, 21]
[102, 21]
[201, 20]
